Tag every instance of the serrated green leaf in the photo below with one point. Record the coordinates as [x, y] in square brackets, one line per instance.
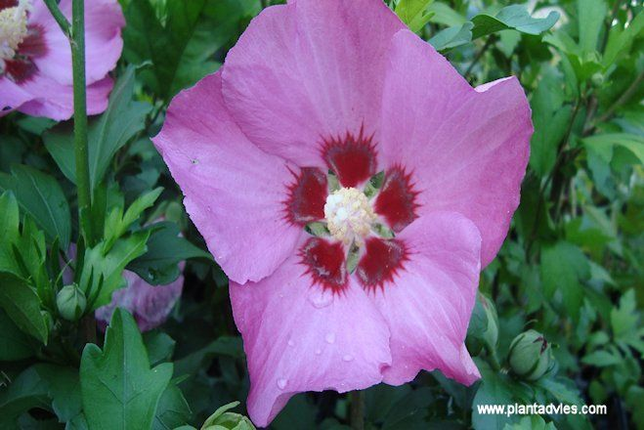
[414, 13]
[119, 390]
[563, 267]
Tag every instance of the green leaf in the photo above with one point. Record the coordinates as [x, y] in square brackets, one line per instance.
[102, 271]
[40, 196]
[620, 40]
[452, 37]
[14, 344]
[551, 119]
[495, 389]
[22, 304]
[9, 224]
[63, 388]
[603, 143]
[173, 409]
[166, 248]
[445, 15]
[625, 322]
[159, 345]
[414, 13]
[591, 15]
[119, 390]
[180, 39]
[27, 391]
[123, 119]
[601, 359]
[563, 267]
[512, 17]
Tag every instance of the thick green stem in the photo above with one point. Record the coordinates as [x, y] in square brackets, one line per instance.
[80, 117]
[76, 35]
[357, 410]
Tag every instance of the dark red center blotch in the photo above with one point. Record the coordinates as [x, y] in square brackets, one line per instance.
[306, 196]
[396, 202]
[21, 68]
[351, 158]
[325, 262]
[8, 3]
[383, 258]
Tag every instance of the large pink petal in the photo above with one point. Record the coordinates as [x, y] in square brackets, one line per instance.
[306, 71]
[103, 42]
[297, 337]
[467, 148]
[233, 191]
[429, 302]
[56, 101]
[11, 96]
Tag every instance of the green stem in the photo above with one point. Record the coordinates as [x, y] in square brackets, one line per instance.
[357, 410]
[76, 36]
[62, 21]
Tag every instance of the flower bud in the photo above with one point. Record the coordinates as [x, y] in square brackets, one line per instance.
[530, 355]
[222, 420]
[71, 302]
[483, 329]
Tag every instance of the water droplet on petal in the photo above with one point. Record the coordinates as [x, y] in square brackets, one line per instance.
[281, 383]
[330, 338]
[320, 298]
[291, 343]
[318, 351]
[347, 358]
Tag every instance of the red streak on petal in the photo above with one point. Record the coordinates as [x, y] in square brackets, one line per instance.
[324, 261]
[307, 196]
[19, 70]
[381, 261]
[34, 44]
[396, 200]
[8, 3]
[352, 158]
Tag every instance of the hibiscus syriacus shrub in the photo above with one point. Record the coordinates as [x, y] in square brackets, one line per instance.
[321, 213]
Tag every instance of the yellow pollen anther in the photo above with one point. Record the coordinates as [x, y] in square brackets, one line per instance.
[349, 215]
[13, 29]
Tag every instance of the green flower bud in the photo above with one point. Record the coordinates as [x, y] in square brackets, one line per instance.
[530, 355]
[484, 326]
[491, 333]
[223, 420]
[71, 302]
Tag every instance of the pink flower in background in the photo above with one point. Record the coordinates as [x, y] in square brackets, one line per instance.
[386, 285]
[149, 305]
[35, 57]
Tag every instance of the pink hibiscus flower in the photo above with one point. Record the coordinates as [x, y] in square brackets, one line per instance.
[150, 305]
[313, 103]
[35, 57]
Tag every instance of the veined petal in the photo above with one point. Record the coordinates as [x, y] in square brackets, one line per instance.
[299, 337]
[51, 99]
[429, 302]
[12, 96]
[306, 71]
[466, 148]
[103, 42]
[234, 192]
